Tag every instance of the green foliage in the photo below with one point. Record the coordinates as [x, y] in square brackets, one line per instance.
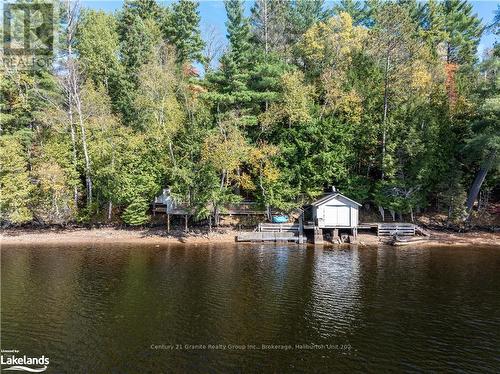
[182, 30]
[136, 213]
[99, 55]
[397, 195]
[140, 33]
[56, 178]
[352, 7]
[269, 24]
[302, 15]
[229, 86]
[463, 29]
[383, 99]
[15, 184]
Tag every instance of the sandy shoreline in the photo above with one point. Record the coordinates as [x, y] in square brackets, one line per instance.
[159, 236]
[112, 235]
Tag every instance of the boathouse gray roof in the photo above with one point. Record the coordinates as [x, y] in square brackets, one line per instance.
[331, 196]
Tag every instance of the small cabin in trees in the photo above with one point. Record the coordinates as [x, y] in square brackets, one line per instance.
[334, 211]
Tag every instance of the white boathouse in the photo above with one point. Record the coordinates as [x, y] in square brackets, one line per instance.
[335, 211]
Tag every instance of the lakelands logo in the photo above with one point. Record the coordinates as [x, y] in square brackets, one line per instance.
[16, 362]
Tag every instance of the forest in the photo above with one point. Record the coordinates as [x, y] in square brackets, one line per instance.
[387, 100]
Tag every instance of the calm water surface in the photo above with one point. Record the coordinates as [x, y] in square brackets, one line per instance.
[129, 309]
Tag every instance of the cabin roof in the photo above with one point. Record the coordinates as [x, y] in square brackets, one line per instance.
[331, 196]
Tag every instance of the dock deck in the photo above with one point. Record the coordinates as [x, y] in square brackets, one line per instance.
[274, 232]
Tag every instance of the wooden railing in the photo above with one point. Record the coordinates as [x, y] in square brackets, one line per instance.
[279, 227]
[247, 207]
[396, 228]
[251, 208]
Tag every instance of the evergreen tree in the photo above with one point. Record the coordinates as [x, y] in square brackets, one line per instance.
[136, 213]
[182, 29]
[305, 13]
[100, 56]
[15, 184]
[433, 26]
[268, 22]
[483, 147]
[463, 29]
[231, 83]
[352, 7]
[139, 36]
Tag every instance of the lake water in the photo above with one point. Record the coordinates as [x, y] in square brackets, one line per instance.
[252, 308]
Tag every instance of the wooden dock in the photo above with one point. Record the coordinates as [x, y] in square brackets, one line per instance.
[274, 232]
[256, 236]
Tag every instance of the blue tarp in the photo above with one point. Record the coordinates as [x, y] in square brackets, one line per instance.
[280, 219]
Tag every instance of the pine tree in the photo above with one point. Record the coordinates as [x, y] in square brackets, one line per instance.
[352, 7]
[146, 9]
[182, 29]
[230, 85]
[483, 147]
[463, 29]
[268, 22]
[139, 35]
[302, 14]
[100, 55]
[433, 26]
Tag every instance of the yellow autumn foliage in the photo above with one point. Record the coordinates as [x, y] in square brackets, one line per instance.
[332, 42]
[225, 150]
[294, 106]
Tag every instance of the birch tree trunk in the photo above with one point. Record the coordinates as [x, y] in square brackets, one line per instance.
[71, 19]
[88, 178]
[73, 144]
[384, 120]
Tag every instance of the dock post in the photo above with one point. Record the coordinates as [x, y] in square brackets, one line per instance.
[318, 236]
[301, 230]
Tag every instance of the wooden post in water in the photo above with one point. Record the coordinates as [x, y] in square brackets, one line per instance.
[301, 229]
[318, 235]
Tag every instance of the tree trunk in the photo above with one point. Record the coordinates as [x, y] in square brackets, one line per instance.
[384, 121]
[88, 178]
[266, 28]
[110, 210]
[73, 144]
[478, 181]
[71, 11]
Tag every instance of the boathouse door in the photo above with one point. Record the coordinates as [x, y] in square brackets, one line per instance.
[337, 215]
